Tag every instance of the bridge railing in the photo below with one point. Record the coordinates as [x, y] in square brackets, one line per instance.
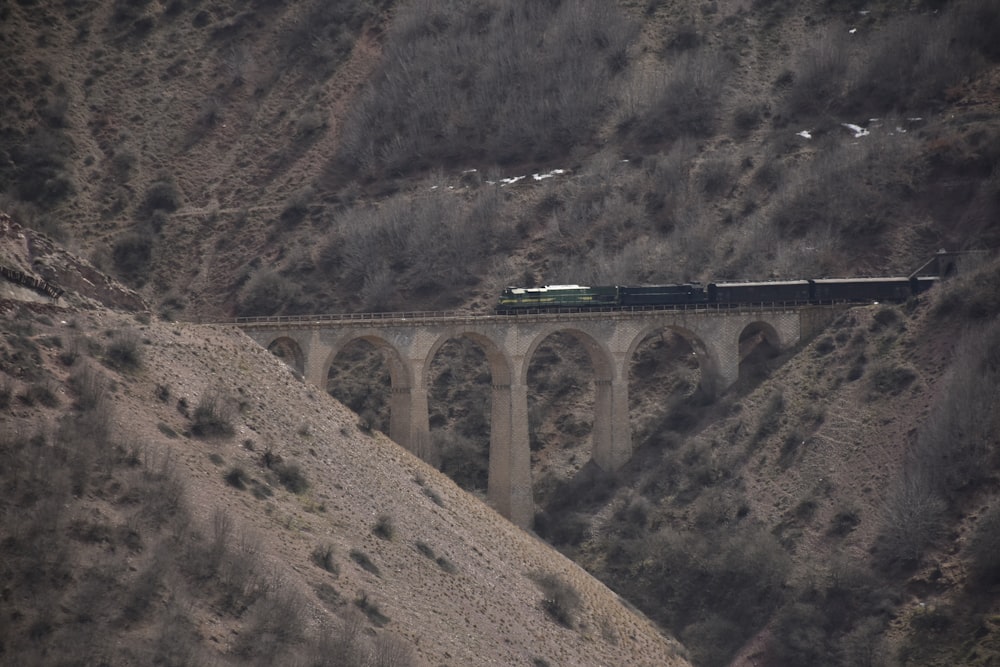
[413, 316]
[351, 317]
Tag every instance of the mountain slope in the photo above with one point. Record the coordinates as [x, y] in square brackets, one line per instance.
[334, 518]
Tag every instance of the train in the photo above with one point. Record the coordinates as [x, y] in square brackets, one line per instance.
[514, 300]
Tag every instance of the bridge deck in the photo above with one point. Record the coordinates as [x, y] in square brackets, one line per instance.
[525, 315]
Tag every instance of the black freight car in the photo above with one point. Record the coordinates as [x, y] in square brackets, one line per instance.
[662, 295]
[792, 291]
[826, 290]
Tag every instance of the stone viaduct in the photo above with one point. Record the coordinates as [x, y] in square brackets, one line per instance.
[411, 340]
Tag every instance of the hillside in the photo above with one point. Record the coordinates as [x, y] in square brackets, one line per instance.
[229, 159]
[174, 495]
[191, 160]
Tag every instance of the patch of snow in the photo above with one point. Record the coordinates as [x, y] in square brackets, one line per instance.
[805, 134]
[857, 130]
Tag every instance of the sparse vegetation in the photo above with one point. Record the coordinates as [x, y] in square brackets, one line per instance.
[322, 556]
[384, 527]
[364, 561]
[560, 600]
[124, 353]
[715, 141]
[291, 476]
[213, 417]
[563, 57]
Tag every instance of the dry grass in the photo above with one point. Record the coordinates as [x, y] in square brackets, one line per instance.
[207, 552]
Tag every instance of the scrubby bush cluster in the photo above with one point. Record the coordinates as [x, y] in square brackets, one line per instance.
[561, 600]
[906, 62]
[713, 587]
[70, 597]
[213, 417]
[507, 79]
[432, 244]
[954, 454]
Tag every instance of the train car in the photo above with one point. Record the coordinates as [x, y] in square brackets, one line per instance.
[514, 299]
[662, 295]
[764, 292]
[861, 289]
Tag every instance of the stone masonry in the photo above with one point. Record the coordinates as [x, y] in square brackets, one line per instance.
[310, 344]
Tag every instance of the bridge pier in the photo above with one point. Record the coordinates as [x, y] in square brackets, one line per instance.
[612, 431]
[408, 420]
[509, 487]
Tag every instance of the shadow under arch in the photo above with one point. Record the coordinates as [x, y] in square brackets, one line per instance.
[497, 360]
[600, 357]
[708, 382]
[666, 393]
[468, 459]
[288, 350]
[759, 343]
[594, 440]
[400, 381]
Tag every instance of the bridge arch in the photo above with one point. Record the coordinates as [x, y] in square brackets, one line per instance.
[290, 351]
[502, 465]
[610, 444]
[399, 373]
[601, 359]
[765, 331]
[757, 344]
[497, 359]
[407, 420]
[707, 363]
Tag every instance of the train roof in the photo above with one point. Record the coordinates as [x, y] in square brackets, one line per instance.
[769, 283]
[545, 288]
[832, 281]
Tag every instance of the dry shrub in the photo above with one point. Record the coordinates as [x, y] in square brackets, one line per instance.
[956, 448]
[421, 247]
[268, 292]
[734, 574]
[911, 519]
[819, 73]
[982, 553]
[517, 81]
[908, 64]
[561, 601]
[274, 623]
[124, 352]
[213, 418]
[464, 460]
[848, 193]
[681, 101]
[975, 296]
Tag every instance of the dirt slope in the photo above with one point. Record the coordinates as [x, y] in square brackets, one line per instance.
[477, 603]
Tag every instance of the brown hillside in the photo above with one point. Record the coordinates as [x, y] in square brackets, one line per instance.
[192, 160]
[459, 584]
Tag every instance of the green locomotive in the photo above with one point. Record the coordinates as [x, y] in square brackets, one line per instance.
[513, 299]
